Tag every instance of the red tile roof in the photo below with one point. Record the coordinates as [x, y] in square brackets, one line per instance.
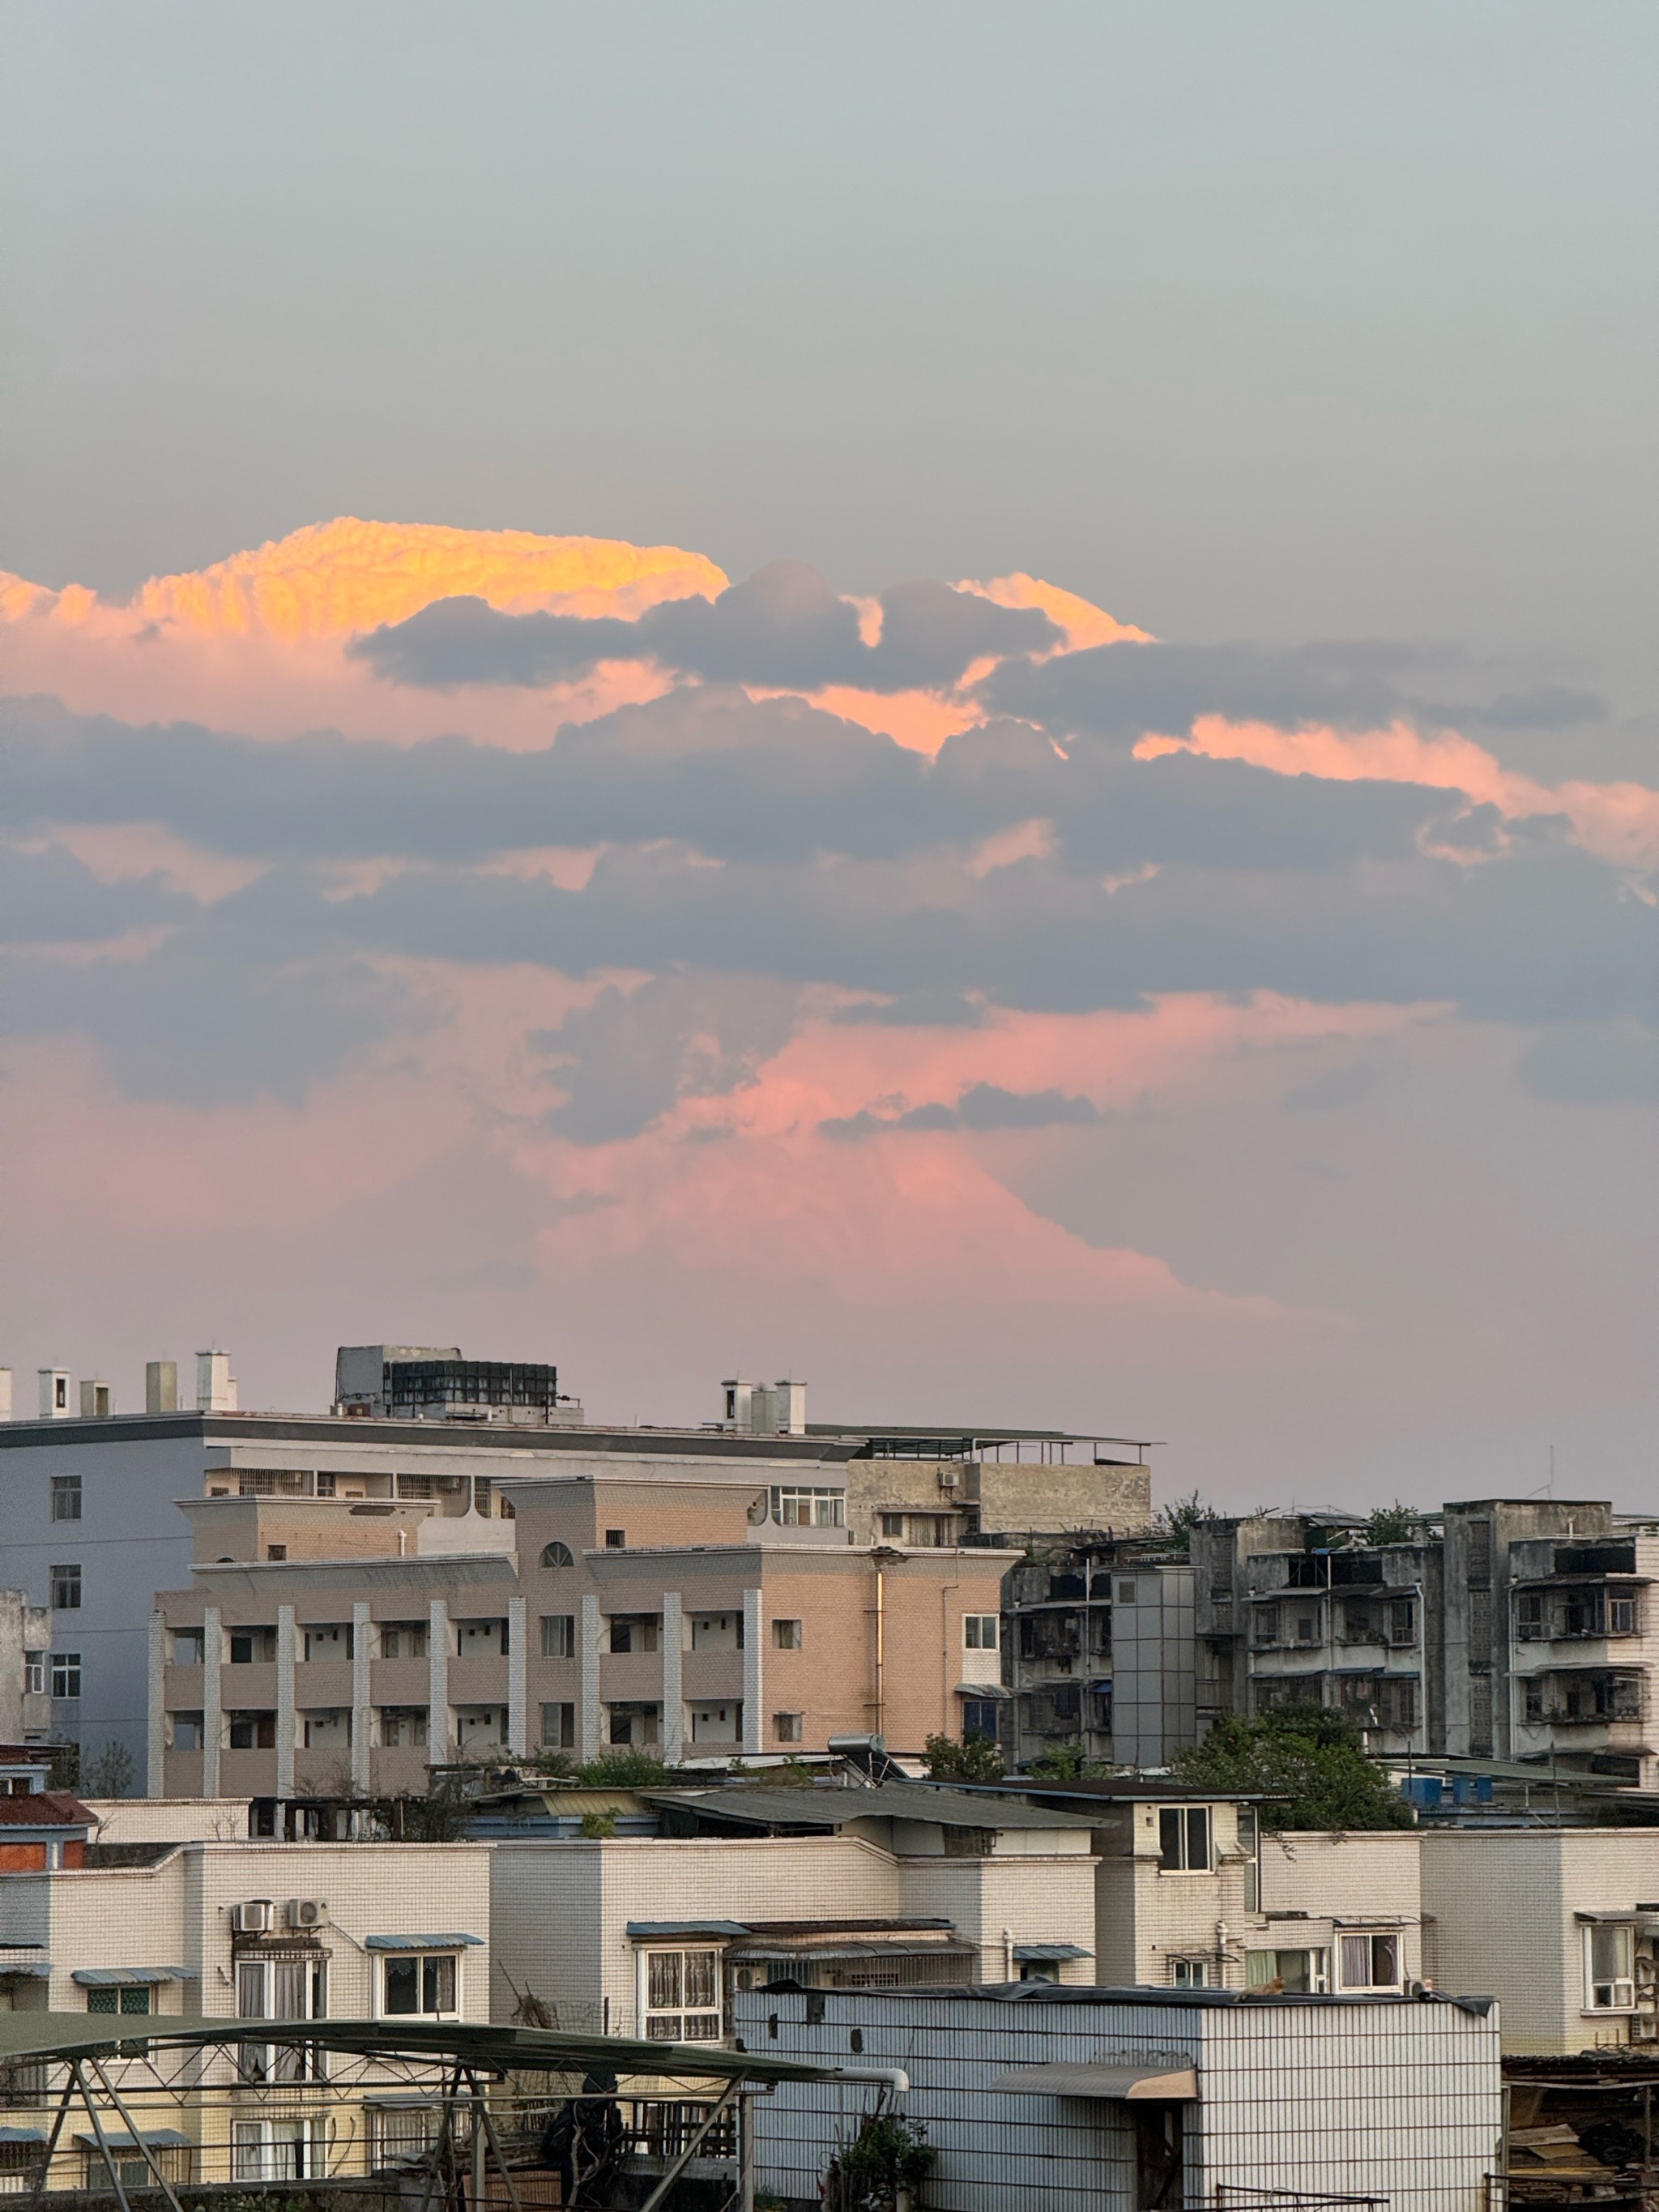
[46, 1808]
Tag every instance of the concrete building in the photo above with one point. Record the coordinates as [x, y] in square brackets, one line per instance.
[703, 1609]
[25, 1669]
[1561, 1924]
[825, 1888]
[88, 1493]
[1498, 1628]
[228, 1929]
[1099, 1643]
[1055, 2100]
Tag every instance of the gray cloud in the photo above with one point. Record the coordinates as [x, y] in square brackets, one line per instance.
[785, 624]
[51, 897]
[1616, 1064]
[915, 1010]
[633, 1054]
[985, 1106]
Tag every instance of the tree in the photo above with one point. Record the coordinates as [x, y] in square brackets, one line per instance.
[1173, 1524]
[109, 1772]
[975, 1758]
[886, 2163]
[1064, 1762]
[625, 1766]
[1311, 1762]
[1390, 1524]
[599, 1827]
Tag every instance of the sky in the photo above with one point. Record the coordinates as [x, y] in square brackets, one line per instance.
[957, 700]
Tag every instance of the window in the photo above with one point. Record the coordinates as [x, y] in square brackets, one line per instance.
[1370, 1962]
[1397, 1703]
[637, 1723]
[1190, 1973]
[787, 1727]
[558, 1635]
[558, 1727]
[1304, 1627]
[979, 1717]
[1621, 1616]
[132, 1998]
[680, 1995]
[1532, 1698]
[419, 1982]
[185, 1731]
[327, 1484]
[332, 1641]
[402, 2132]
[1264, 1626]
[278, 2150]
[1305, 1971]
[1529, 1624]
[557, 1555]
[979, 1631]
[187, 1647]
[616, 1540]
[892, 1525]
[786, 1636]
[253, 1731]
[253, 1647]
[1610, 1966]
[1402, 1620]
[66, 1674]
[1183, 1839]
[328, 1727]
[66, 1589]
[403, 1728]
[292, 1988]
[1039, 1969]
[66, 1498]
[34, 1674]
[403, 1639]
[810, 1509]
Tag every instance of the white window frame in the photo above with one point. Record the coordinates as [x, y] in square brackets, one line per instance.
[389, 1959]
[1187, 1866]
[1371, 1937]
[1621, 1988]
[788, 1633]
[1189, 1973]
[680, 2023]
[799, 1506]
[259, 2138]
[975, 1627]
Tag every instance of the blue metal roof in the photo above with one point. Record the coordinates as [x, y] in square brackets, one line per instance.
[1035, 1952]
[104, 1977]
[649, 1930]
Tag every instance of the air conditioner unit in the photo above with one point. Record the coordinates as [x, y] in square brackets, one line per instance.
[252, 1918]
[949, 1477]
[305, 1913]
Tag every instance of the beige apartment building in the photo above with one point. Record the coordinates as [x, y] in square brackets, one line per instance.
[328, 1645]
[228, 1929]
[830, 1888]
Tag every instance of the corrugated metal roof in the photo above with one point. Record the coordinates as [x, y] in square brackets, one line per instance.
[1051, 1953]
[157, 2138]
[948, 1948]
[451, 1942]
[104, 1977]
[648, 1931]
[889, 1801]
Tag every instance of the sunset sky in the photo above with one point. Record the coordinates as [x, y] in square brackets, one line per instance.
[957, 699]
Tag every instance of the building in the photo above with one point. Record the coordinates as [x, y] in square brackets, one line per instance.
[1099, 1637]
[88, 1494]
[829, 1889]
[1498, 1628]
[25, 1669]
[1561, 1924]
[162, 1930]
[1057, 2099]
[1192, 1892]
[701, 1605]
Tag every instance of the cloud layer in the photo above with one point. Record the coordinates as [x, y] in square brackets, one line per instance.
[679, 914]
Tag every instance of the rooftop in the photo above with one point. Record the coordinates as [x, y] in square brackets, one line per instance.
[838, 1808]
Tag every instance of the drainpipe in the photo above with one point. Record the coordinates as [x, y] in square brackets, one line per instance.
[1007, 1954]
[881, 1651]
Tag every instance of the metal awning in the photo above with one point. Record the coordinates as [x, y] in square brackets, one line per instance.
[1135, 2084]
[156, 2138]
[34, 1970]
[1035, 1953]
[23, 2135]
[982, 1690]
[109, 1978]
[901, 1947]
[451, 1942]
[654, 1931]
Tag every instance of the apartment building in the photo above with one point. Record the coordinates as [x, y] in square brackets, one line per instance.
[255, 1931]
[89, 1494]
[1561, 1924]
[1097, 1633]
[827, 1888]
[332, 1645]
[1062, 2099]
[1514, 1629]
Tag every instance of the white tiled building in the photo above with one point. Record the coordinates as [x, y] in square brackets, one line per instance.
[1098, 2100]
